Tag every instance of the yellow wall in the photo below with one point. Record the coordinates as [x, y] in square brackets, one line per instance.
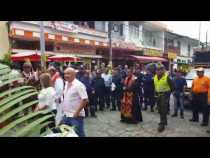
[4, 39]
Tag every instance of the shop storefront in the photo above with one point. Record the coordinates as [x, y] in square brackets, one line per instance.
[183, 63]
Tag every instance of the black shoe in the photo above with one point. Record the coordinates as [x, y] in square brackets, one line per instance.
[208, 131]
[182, 116]
[204, 124]
[93, 116]
[101, 109]
[174, 115]
[113, 109]
[152, 110]
[161, 124]
[144, 109]
[193, 120]
[161, 128]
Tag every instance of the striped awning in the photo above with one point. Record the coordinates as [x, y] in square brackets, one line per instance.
[55, 37]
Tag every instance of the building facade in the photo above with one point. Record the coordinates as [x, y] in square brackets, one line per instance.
[4, 40]
[180, 49]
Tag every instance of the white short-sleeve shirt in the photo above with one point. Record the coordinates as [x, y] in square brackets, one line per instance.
[73, 97]
[47, 98]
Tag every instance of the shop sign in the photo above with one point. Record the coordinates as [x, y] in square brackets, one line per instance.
[152, 52]
[172, 55]
[63, 26]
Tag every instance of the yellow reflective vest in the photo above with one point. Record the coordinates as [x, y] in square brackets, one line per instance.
[161, 85]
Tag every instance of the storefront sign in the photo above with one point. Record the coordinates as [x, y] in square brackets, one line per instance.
[63, 26]
[172, 55]
[58, 25]
[152, 52]
[125, 45]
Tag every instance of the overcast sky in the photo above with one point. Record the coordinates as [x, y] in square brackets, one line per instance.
[190, 28]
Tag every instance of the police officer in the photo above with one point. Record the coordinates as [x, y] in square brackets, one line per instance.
[163, 87]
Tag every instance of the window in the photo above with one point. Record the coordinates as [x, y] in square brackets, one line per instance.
[189, 48]
[178, 44]
[121, 29]
[154, 42]
[86, 24]
[134, 31]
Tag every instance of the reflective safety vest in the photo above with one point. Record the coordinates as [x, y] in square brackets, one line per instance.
[161, 85]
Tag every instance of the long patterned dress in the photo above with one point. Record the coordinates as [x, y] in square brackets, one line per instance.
[130, 108]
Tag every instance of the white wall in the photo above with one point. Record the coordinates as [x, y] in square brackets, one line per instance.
[4, 40]
[148, 37]
[100, 25]
[184, 48]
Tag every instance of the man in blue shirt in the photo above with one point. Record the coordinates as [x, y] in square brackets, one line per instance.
[180, 84]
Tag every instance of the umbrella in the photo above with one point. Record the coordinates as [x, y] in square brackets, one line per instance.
[64, 58]
[32, 56]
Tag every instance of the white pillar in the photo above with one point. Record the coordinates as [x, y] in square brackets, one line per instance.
[163, 42]
[141, 34]
[106, 26]
[126, 30]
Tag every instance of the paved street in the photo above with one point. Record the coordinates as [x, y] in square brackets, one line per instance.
[108, 124]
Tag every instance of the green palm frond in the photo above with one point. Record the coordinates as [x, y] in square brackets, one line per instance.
[14, 102]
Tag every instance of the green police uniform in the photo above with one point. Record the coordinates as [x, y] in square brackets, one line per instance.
[162, 89]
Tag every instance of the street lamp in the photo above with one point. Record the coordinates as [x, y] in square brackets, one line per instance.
[42, 45]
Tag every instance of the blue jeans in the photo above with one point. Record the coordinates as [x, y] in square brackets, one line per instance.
[179, 102]
[77, 123]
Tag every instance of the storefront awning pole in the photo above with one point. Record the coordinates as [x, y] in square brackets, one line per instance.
[110, 42]
[42, 45]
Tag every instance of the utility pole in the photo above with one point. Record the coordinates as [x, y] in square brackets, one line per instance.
[199, 36]
[110, 26]
[42, 46]
[206, 39]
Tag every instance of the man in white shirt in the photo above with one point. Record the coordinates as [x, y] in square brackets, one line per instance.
[108, 81]
[74, 101]
[57, 81]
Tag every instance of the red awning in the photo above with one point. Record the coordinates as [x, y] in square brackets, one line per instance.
[149, 59]
[32, 56]
[63, 58]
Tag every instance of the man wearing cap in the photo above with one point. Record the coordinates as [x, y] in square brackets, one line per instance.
[200, 87]
[163, 87]
[28, 74]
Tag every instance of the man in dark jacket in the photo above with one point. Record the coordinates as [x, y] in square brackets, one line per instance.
[149, 91]
[116, 90]
[140, 79]
[86, 80]
[99, 90]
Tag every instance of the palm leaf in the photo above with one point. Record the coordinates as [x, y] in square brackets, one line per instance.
[21, 120]
[36, 131]
[10, 81]
[14, 102]
[17, 95]
[23, 131]
[4, 71]
[17, 110]
[14, 90]
[2, 66]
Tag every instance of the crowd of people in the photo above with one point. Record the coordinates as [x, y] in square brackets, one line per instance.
[73, 94]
